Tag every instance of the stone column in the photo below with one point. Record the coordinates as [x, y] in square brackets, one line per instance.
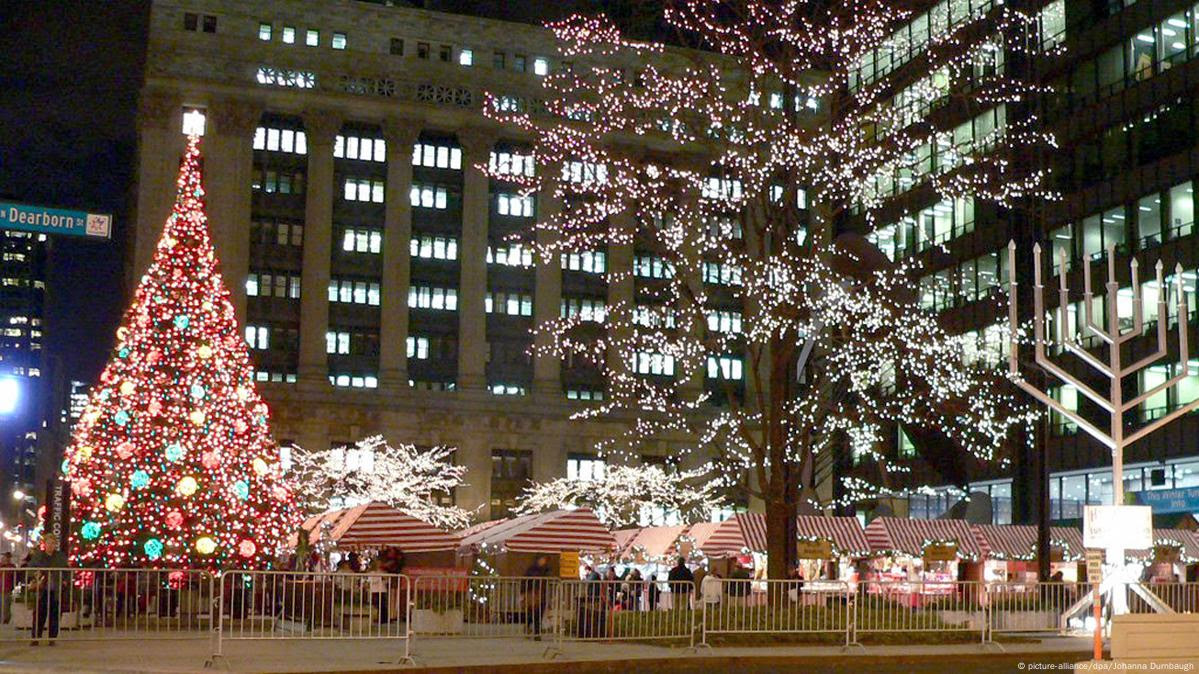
[160, 146]
[472, 321]
[320, 127]
[229, 165]
[547, 305]
[400, 134]
[620, 286]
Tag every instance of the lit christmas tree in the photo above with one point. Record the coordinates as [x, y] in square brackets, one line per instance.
[172, 464]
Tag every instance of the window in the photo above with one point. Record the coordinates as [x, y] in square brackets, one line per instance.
[428, 297]
[724, 367]
[437, 156]
[721, 274]
[514, 205]
[362, 189]
[428, 196]
[191, 21]
[724, 321]
[653, 316]
[339, 41]
[422, 50]
[466, 58]
[277, 233]
[337, 342]
[584, 467]
[584, 394]
[289, 35]
[282, 77]
[722, 188]
[281, 182]
[511, 470]
[277, 377]
[507, 389]
[258, 336]
[510, 303]
[264, 32]
[348, 291]
[362, 241]
[1067, 395]
[312, 37]
[645, 362]
[906, 448]
[541, 66]
[591, 262]
[444, 52]
[273, 284]
[585, 173]
[518, 63]
[273, 139]
[433, 247]
[510, 163]
[418, 348]
[396, 47]
[497, 60]
[592, 309]
[510, 255]
[354, 380]
[650, 266]
[193, 122]
[360, 148]
[209, 24]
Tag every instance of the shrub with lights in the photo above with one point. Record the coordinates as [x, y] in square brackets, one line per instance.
[172, 463]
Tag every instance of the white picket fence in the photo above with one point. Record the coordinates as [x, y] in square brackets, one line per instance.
[107, 604]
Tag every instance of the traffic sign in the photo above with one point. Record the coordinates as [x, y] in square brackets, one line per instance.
[45, 220]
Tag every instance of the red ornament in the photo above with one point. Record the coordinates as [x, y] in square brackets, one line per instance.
[247, 548]
[174, 520]
[125, 450]
[210, 460]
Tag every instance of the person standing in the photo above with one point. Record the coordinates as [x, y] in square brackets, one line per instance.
[8, 581]
[680, 582]
[48, 583]
[634, 587]
[653, 592]
[711, 590]
[536, 594]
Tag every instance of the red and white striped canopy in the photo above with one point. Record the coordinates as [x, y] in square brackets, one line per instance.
[845, 533]
[730, 537]
[654, 543]
[897, 534]
[551, 532]
[1187, 541]
[377, 525]
[1019, 541]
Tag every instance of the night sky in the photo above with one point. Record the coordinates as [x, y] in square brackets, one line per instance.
[68, 97]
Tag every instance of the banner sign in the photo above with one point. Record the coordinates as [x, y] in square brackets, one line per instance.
[940, 552]
[1184, 500]
[43, 220]
[568, 564]
[821, 548]
[1094, 566]
[58, 510]
[1122, 527]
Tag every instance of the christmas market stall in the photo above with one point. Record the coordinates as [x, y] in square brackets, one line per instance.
[1173, 558]
[827, 548]
[918, 558]
[739, 541]
[509, 547]
[1010, 552]
[371, 527]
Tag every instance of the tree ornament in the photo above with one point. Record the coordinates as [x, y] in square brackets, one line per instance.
[121, 417]
[197, 417]
[205, 545]
[182, 321]
[90, 530]
[128, 387]
[174, 520]
[139, 479]
[246, 548]
[204, 352]
[174, 452]
[125, 450]
[210, 460]
[153, 548]
[114, 502]
[241, 489]
[186, 486]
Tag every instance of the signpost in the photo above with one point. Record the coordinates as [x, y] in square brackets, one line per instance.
[45, 220]
[1095, 578]
[1122, 527]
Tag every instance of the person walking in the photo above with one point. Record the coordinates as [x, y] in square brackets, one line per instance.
[536, 594]
[48, 586]
[679, 582]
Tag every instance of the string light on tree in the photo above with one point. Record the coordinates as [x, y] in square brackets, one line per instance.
[712, 164]
[172, 463]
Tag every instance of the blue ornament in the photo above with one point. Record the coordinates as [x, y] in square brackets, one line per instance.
[121, 417]
[182, 321]
[153, 548]
[65, 466]
[139, 479]
[197, 391]
[124, 352]
[241, 489]
[174, 451]
[91, 530]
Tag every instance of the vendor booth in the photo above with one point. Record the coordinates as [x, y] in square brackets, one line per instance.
[1010, 552]
[375, 526]
[827, 548]
[919, 558]
[510, 546]
[1174, 553]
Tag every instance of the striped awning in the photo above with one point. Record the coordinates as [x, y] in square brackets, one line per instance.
[845, 533]
[744, 531]
[1186, 541]
[377, 525]
[551, 532]
[899, 535]
[624, 539]
[1019, 541]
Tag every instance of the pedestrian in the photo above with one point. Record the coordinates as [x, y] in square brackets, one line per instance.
[46, 605]
[355, 562]
[679, 583]
[611, 588]
[795, 584]
[536, 594]
[8, 582]
[711, 590]
[653, 592]
[634, 586]
[377, 582]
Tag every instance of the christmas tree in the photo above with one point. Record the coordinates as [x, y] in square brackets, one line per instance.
[172, 464]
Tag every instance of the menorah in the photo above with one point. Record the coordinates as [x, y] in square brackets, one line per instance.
[1115, 369]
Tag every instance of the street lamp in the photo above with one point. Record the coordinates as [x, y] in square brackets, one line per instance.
[18, 495]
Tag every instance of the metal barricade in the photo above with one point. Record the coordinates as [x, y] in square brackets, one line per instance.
[105, 604]
[1030, 607]
[742, 606]
[920, 606]
[255, 605]
[485, 606]
[1177, 597]
[626, 610]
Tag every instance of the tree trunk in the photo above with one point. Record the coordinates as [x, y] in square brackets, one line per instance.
[782, 507]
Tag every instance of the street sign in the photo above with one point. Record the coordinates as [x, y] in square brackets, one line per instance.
[44, 220]
[1094, 566]
[1184, 500]
[1124, 527]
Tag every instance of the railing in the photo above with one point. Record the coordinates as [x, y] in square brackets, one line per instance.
[1031, 607]
[485, 606]
[254, 605]
[89, 604]
[777, 607]
[627, 610]
[1178, 597]
[920, 606]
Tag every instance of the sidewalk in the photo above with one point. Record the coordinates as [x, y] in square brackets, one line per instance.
[525, 656]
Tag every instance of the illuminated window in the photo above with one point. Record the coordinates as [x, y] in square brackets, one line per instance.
[510, 255]
[512, 304]
[584, 467]
[193, 122]
[362, 189]
[264, 32]
[280, 140]
[645, 362]
[724, 367]
[466, 57]
[312, 37]
[437, 156]
[418, 347]
[591, 262]
[258, 337]
[428, 196]
[339, 41]
[541, 66]
[510, 163]
[429, 297]
[362, 241]
[289, 35]
[434, 247]
[724, 321]
[360, 148]
[354, 292]
[586, 308]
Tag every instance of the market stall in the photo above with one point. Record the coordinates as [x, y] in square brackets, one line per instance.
[510, 546]
[919, 559]
[1010, 552]
[827, 548]
[375, 526]
[1173, 552]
